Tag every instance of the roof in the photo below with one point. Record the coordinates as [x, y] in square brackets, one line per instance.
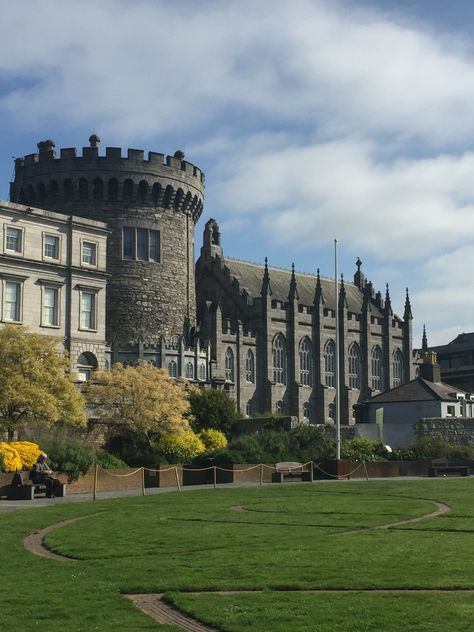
[250, 276]
[462, 342]
[418, 390]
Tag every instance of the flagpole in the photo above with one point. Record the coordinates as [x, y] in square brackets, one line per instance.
[336, 367]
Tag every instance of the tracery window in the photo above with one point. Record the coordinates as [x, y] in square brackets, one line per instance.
[279, 359]
[229, 365]
[202, 372]
[355, 365]
[190, 371]
[397, 368]
[306, 361]
[250, 367]
[377, 369]
[172, 368]
[330, 364]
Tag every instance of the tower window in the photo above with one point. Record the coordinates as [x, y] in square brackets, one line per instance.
[140, 244]
[279, 360]
[330, 364]
[229, 365]
[250, 367]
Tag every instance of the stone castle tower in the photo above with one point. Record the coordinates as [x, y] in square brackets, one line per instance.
[151, 206]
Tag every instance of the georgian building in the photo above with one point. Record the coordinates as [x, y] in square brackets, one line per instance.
[53, 279]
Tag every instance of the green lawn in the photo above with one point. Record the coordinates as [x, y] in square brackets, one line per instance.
[290, 538]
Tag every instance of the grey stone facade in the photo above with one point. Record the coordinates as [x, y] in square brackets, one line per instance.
[44, 261]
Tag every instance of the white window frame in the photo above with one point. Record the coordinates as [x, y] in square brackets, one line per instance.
[19, 281]
[95, 245]
[93, 292]
[57, 290]
[58, 247]
[21, 231]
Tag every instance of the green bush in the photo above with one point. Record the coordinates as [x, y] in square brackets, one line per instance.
[109, 461]
[212, 409]
[358, 449]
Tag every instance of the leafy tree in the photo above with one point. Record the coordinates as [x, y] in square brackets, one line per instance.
[35, 384]
[141, 399]
[211, 408]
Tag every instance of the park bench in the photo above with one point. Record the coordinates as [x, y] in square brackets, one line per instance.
[444, 468]
[23, 488]
[290, 470]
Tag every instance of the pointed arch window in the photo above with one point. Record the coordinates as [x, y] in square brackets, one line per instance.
[190, 371]
[229, 365]
[172, 369]
[279, 359]
[280, 408]
[306, 362]
[83, 189]
[397, 368]
[332, 411]
[355, 366]
[377, 369]
[249, 408]
[202, 372]
[250, 367]
[330, 364]
[306, 410]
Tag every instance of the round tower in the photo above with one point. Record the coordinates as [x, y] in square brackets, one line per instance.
[150, 205]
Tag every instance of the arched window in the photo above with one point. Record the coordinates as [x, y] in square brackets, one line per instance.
[31, 194]
[178, 199]
[127, 191]
[172, 368]
[175, 342]
[249, 408]
[330, 364]
[306, 410]
[112, 190]
[229, 365]
[279, 359]
[86, 365]
[190, 371]
[280, 408]
[41, 192]
[156, 193]
[332, 411]
[142, 191]
[83, 189]
[397, 368]
[98, 185]
[355, 364]
[202, 372]
[250, 367]
[168, 196]
[306, 361]
[54, 189]
[68, 189]
[377, 369]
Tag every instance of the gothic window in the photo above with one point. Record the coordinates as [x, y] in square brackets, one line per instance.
[54, 189]
[142, 191]
[306, 361]
[178, 199]
[250, 367]
[175, 342]
[98, 185]
[306, 410]
[330, 364]
[355, 365]
[279, 359]
[112, 190]
[280, 408]
[202, 372]
[332, 411]
[377, 369]
[83, 189]
[229, 365]
[397, 368]
[190, 371]
[172, 368]
[249, 408]
[127, 191]
[155, 193]
[68, 189]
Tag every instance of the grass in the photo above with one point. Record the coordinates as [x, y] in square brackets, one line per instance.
[290, 538]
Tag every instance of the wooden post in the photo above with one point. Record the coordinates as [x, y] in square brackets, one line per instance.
[261, 474]
[365, 470]
[215, 477]
[143, 481]
[311, 471]
[94, 495]
[177, 479]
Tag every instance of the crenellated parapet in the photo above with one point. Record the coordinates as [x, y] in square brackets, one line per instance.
[43, 179]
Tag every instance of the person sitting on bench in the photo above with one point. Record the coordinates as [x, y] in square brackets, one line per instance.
[42, 474]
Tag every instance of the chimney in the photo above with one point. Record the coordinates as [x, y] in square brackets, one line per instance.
[430, 369]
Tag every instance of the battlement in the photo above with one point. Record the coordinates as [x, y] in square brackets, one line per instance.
[42, 179]
[135, 160]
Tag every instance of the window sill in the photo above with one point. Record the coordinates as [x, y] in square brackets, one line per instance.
[50, 326]
[91, 331]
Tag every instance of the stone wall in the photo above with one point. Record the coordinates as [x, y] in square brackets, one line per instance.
[453, 430]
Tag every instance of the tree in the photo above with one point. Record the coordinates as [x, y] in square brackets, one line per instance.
[35, 384]
[142, 399]
[212, 409]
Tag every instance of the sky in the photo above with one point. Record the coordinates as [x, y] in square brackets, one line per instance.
[313, 120]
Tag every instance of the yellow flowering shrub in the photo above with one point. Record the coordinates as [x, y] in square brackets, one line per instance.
[28, 452]
[181, 448]
[10, 458]
[213, 439]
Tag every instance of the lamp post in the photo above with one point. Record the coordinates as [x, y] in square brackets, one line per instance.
[336, 367]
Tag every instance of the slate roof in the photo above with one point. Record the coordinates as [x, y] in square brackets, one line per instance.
[250, 276]
[418, 390]
[462, 342]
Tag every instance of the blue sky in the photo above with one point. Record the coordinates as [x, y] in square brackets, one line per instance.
[311, 119]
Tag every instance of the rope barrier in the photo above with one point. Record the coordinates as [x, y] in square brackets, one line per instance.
[121, 475]
[338, 475]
